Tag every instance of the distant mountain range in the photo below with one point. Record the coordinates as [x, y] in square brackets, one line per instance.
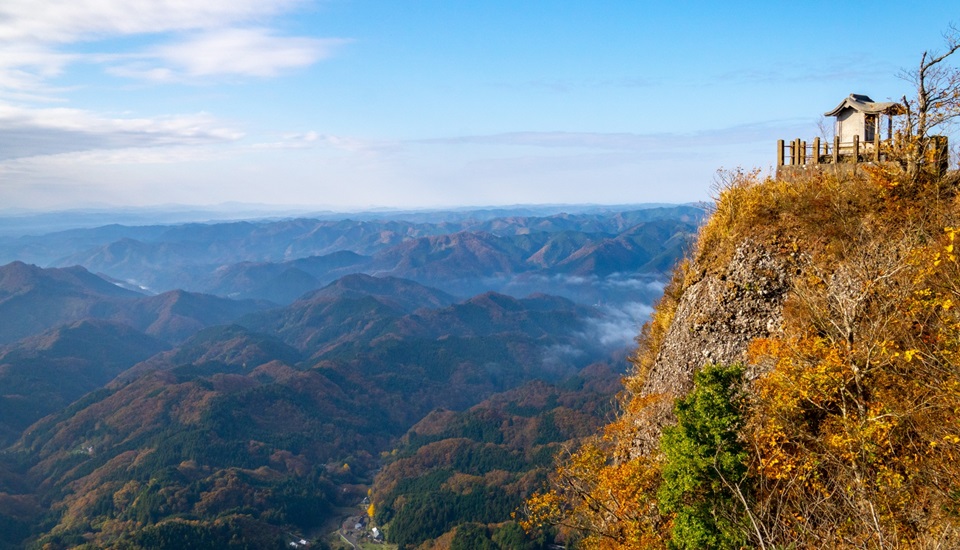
[34, 300]
[169, 384]
[280, 260]
[19, 222]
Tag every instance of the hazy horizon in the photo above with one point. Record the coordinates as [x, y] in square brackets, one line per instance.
[357, 105]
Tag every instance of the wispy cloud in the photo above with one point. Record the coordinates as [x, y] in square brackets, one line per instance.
[291, 141]
[623, 141]
[345, 144]
[177, 40]
[26, 132]
[842, 68]
[619, 325]
[154, 41]
[66, 21]
[224, 52]
[24, 68]
[104, 156]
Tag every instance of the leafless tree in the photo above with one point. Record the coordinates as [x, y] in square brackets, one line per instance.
[937, 100]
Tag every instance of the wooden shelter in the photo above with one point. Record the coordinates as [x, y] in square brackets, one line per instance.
[858, 138]
[862, 119]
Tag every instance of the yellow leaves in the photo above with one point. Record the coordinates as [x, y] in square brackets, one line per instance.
[807, 370]
[541, 508]
[948, 253]
[857, 400]
[588, 491]
[871, 422]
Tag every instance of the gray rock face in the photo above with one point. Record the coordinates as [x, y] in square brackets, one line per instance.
[716, 319]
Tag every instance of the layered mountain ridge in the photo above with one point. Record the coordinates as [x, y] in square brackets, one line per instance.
[281, 260]
[136, 415]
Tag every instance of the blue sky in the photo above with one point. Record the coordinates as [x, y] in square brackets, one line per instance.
[354, 104]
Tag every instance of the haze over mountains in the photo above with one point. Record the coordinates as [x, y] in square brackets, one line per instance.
[282, 259]
[205, 380]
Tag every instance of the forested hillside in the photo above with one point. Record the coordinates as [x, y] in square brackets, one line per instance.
[458, 477]
[140, 417]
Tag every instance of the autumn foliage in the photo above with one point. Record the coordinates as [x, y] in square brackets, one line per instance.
[848, 432]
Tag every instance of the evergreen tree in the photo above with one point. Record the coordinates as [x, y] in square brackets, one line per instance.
[705, 464]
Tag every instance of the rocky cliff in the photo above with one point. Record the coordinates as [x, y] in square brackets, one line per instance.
[798, 382]
[717, 316]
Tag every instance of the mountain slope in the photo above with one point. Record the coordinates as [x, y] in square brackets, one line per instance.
[217, 430]
[42, 374]
[353, 308]
[257, 422]
[460, 255]
[797, 384]
[33, 299]
[176, 315]
[481, 462]
[285, 281]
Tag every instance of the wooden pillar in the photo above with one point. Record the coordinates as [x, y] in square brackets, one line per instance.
[876, 146]
[816, 150]
[836, 149]
[779, 152]
[856, 149]
[796, 151]
[803, 152]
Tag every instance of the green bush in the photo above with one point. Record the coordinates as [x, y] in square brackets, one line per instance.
[706, 463]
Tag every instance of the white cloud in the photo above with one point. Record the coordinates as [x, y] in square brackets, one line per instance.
[619, 325]
[104, 157]
[26, 132]
[159, 41]
[25, 67]
[291, 141]
[65, 21]
[623, 141]
[220, 52]
[178, 40]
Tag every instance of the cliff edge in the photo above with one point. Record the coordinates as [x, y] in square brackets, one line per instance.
[797, 384]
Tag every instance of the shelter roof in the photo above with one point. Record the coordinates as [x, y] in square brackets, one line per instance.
[864, 104]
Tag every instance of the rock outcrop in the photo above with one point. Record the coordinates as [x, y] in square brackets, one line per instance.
[715, 320]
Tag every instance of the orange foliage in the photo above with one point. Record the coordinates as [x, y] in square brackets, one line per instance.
[855, 425]
[612, 504]
[853, 420]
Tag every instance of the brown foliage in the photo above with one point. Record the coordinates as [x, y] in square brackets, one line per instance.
[854, 420]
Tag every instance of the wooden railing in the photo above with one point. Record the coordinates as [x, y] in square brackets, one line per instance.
[800, 153]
